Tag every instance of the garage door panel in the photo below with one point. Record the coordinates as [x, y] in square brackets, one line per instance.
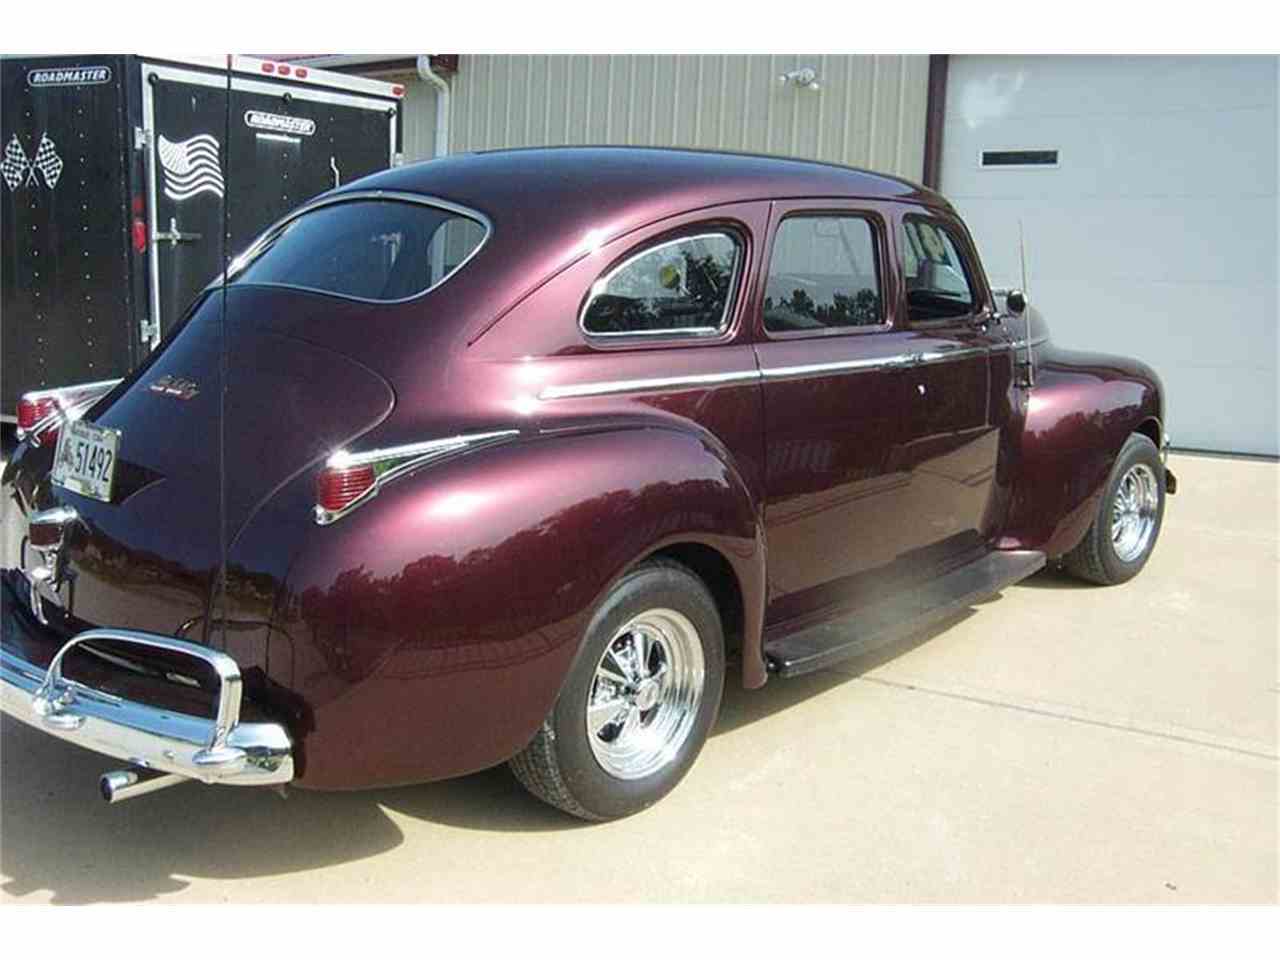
[1237, 412]
[1015, 88]
[1189, 152]
[1157, 234]
[1230, 242]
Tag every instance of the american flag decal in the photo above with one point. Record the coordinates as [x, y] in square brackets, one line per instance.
[190, 166]
[17, 170]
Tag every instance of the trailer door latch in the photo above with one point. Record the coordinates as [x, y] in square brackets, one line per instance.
[149, 331]
[176, 236]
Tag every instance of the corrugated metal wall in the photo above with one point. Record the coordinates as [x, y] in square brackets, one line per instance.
[868, 112]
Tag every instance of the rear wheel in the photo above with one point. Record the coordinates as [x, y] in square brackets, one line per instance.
[639, 701]
[1123, 534]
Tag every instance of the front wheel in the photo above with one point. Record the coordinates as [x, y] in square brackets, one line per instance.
[1123, 534]
[639, 702]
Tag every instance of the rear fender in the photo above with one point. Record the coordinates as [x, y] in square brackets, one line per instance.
[445, 612]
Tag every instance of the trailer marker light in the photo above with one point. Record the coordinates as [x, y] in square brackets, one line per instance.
[268, 68]
[398, 90]
[139, 236]
[284, 70]
[300, 73]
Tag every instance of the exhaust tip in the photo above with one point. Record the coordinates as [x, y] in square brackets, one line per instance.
[111, 784]
[120, 785]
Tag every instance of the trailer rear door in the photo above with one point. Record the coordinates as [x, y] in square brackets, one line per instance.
[64, 243]
[287, 143]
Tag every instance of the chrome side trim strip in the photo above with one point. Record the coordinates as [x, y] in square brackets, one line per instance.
[392, 462]
[1021, 344]
[648, 385]
[218, 750]
[896, 361]
[343, 458]
[810, 369]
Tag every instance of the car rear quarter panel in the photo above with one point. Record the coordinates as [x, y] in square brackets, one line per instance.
[441, 618]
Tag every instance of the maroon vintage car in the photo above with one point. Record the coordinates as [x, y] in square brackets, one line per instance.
[512, 456]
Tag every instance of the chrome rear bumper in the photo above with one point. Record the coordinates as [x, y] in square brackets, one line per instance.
[218, 750]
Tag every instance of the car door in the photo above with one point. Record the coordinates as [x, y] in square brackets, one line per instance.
[957, 397]
[830, 341]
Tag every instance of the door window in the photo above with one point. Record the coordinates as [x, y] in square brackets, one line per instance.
[937, 279]
[679, 287]
[823, 273]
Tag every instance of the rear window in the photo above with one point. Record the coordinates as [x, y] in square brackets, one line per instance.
[383, 250]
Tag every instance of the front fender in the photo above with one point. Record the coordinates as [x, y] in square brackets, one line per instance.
[1074, 421]
[442, 616]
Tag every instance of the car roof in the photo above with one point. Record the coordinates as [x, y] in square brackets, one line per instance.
[549, 206]
[717, 177]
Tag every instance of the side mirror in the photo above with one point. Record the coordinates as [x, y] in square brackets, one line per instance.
[1015, 302]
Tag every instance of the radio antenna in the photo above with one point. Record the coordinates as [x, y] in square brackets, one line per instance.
[1026, 310]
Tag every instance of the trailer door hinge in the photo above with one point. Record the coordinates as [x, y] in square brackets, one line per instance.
[141, 138]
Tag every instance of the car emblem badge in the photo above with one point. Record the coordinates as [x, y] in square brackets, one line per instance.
[47, 535]
[178, 387]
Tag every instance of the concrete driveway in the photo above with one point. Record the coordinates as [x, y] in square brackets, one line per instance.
[1059, 743]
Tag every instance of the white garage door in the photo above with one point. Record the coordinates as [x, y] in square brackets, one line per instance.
[1152, 231]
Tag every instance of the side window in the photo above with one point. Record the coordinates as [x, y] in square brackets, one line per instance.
[937, 279]
[682, 286]
[823, 273]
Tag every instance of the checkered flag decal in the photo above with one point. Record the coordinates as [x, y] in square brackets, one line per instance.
[48, 162]
[14, 164]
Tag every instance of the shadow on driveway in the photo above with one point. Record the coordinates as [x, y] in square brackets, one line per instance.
[56, 834]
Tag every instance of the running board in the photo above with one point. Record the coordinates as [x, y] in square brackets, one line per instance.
[878, 625]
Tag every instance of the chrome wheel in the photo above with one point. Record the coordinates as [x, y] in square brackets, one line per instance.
[1133, 514]
[645, 693]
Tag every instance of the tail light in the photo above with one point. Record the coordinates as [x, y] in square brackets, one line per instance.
[349, 479]
[339, 487]
[32, 409]
[42, 412]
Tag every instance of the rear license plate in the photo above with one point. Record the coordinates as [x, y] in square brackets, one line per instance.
[85, 460]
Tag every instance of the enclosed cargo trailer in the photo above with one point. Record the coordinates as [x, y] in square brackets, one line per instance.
[115, 174]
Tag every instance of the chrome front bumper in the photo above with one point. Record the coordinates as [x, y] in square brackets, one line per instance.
[218, 750]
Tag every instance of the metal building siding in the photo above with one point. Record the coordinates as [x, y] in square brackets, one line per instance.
[869, 112]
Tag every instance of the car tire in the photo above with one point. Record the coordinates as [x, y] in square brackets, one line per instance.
[1124, 532]
[639, 700]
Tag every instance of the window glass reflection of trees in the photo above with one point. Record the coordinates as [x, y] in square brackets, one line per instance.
[823, 273]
